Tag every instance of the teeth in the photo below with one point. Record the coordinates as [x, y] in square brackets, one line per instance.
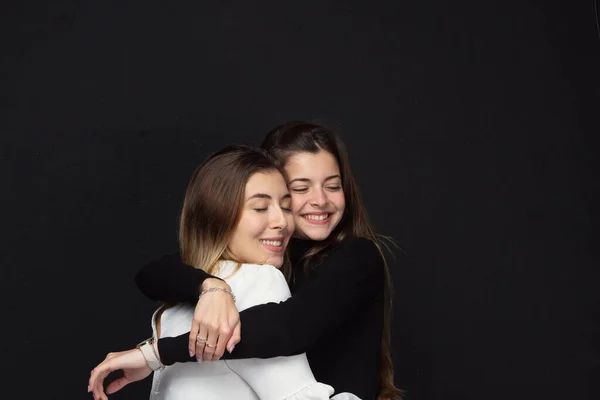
[276, 243]
[320, 217]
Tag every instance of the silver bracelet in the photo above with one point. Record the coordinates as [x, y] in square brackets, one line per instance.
[217, 289]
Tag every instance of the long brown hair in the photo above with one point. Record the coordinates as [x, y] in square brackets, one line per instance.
[301, 136]
[213, 202]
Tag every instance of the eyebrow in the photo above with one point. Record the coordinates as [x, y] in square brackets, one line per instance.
[308, 180]
[266, 196]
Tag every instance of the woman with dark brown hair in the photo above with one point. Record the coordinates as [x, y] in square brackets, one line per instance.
[340, 306]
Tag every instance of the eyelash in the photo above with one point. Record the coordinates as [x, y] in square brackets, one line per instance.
[304, 190]
[265, 209]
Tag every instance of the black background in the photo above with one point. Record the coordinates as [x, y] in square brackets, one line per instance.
[471, 126]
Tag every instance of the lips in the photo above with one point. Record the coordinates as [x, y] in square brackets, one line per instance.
[273, 244]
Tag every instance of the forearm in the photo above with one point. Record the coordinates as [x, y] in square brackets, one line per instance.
[344, 284]
[341, 288]
[281, 329]
[174, 349]
[169, 280]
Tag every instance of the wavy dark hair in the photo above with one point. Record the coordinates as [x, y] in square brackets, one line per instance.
[302, 136]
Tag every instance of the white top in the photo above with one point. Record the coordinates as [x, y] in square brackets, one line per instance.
[279, 378]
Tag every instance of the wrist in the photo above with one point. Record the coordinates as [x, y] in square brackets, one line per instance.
[149, 349]
[214, 282]
[217, 289]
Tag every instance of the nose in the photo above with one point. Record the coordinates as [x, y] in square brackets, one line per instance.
[278, 219]
[319, 198]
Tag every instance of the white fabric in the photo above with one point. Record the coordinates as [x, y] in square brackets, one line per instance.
[279, 378]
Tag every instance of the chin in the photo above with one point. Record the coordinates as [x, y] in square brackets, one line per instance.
[277, 262]
[318, 236]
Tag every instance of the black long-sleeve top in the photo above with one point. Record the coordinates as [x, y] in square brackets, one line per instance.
[335, 314]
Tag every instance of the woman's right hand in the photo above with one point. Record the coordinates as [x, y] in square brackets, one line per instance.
[217, 320]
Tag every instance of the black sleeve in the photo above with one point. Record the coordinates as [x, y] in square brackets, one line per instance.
[345, 280]
[170, 280]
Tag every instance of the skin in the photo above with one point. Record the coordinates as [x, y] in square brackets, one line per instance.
[266, 222]
[318, 201]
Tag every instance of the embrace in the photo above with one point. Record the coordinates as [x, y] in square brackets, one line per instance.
[280, 290]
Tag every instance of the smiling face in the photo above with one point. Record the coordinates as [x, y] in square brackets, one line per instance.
[266, 222]
[317, 195]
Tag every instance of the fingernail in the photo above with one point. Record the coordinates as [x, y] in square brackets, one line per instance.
[191, 353]
[88, 388]
[231, 349]
[199, 360]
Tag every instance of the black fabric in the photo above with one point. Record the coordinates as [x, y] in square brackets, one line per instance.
[335, 316]
[170, 281]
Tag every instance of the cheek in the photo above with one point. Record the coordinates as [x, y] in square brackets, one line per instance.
[291, 225]
[296, 203]
[340, 201]
[249, 228]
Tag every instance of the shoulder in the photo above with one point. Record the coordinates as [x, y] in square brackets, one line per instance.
[356, 257]
[260, 272]
[362, 249]
[250, 274]
[256, 284]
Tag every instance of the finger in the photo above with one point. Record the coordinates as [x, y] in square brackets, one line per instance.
[193, 335]
[97, 377]
[99, 395]
[93, 382]
[211, 343]
[235, 337]
[116, 385]
[97, 388]
[224, 335]
[200, 345]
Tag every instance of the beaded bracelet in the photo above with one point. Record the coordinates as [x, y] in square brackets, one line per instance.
[216, 289]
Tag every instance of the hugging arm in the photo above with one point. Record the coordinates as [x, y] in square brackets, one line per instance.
[280, 378]
[171, 281]
[345, 280]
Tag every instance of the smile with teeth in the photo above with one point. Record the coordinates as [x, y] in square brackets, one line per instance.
[274, 243]
[316, 217]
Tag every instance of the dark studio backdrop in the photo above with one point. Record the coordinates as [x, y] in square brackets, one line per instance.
[471, 126]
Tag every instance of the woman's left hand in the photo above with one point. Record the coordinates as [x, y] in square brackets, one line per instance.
[134, 367]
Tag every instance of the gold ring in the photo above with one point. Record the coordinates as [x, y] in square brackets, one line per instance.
[211, 346]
